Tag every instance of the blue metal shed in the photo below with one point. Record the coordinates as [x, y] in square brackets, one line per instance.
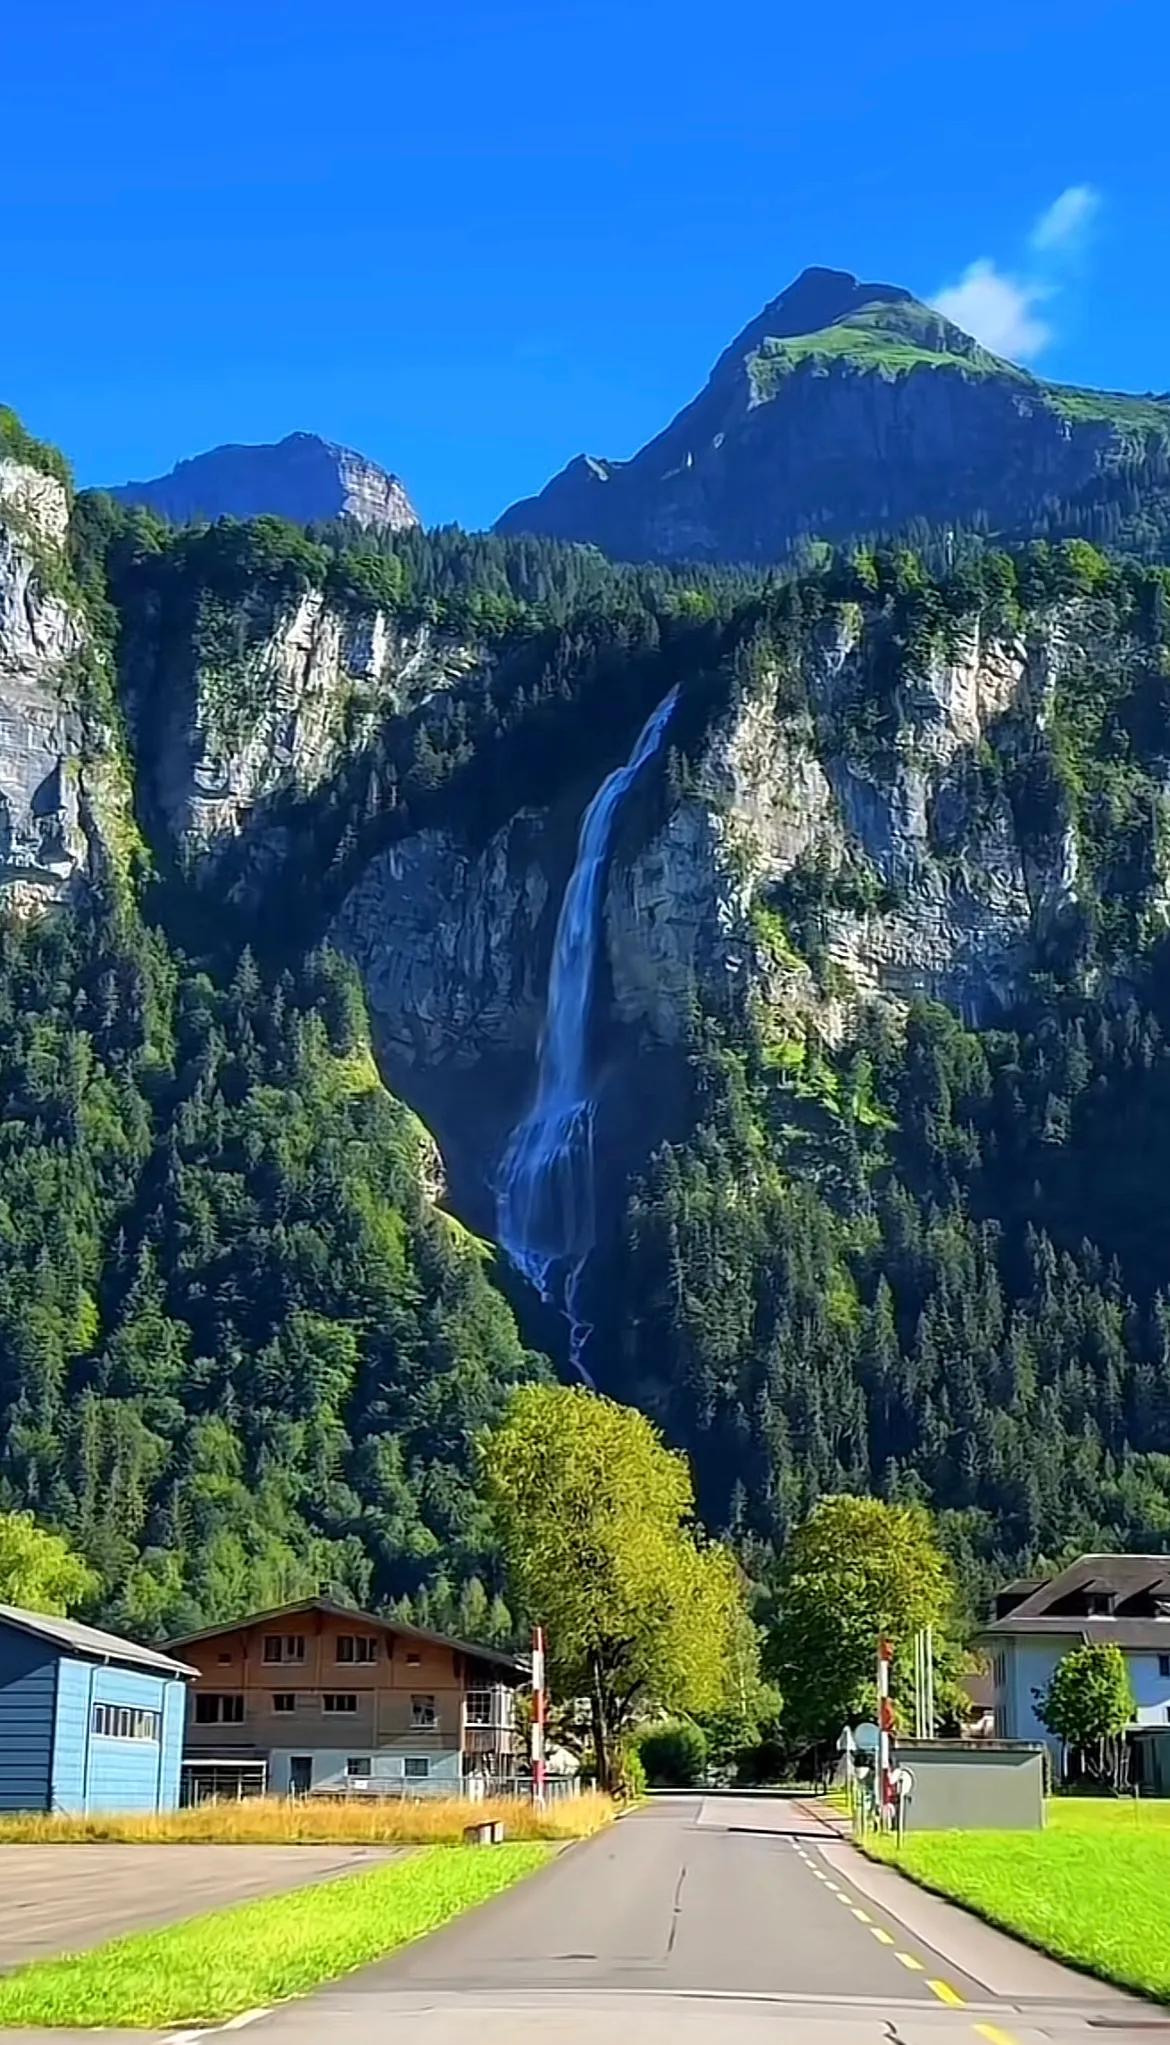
[88, 1722]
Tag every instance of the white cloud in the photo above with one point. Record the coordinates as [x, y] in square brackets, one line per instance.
[998, 310]
[1063, 225]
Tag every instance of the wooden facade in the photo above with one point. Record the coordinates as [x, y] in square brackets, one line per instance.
[333, 1699]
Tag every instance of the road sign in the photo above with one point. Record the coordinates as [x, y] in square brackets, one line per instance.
[866, 1737]
[845, 1740]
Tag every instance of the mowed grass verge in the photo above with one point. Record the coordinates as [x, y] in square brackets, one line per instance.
[1093, 1888]
[213, 1967]
[313, 1821]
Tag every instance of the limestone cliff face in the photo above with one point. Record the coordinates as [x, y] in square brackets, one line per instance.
[810, 868]
[904, 860]
[45, 831]
[260, 703]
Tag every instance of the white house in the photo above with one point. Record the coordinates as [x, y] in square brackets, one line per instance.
[1120, 1599]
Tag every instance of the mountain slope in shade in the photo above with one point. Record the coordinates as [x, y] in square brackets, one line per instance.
[847, 408]
[302, 478]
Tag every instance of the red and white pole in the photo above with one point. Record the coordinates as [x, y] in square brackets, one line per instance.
[539, 1714]
[885, 1712]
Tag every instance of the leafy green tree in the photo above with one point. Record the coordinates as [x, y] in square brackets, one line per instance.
[39, 1571]
[859, 1570]
[594, 1516]
[1088, 1704]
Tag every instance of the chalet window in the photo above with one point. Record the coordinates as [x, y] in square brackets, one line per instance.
[125, 1722]
[422, 1711]
[413, 1660]
[225, 1654]
[357, 1647]
[284, 1647]
[336, 1702]
[416, 1765]
[358, 1764]
[479, 1707]
[213, 1707]
[284, 1700]
[1164, 1664]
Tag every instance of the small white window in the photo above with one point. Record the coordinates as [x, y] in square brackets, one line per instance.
[357, 1647]
[422, 1712]
[358, 1764]
[415, 1766]
[284, 1700]
[339, 1702]
[1164, 1664]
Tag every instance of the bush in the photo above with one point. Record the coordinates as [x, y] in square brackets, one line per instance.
[674, 1756]
[765, 1762]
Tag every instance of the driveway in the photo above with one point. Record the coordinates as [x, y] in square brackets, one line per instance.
[56, 1899]
[719, 1920]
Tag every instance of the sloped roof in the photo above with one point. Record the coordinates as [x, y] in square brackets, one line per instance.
[1122, 1576]
[90, 1642]
[512, 1664]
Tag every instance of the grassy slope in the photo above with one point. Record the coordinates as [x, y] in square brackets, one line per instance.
[892, 341]
[214, 1967]
[1094, 1888]
[305, 1821]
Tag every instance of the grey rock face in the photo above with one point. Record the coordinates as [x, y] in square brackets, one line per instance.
[301, 478]
[307, 684]
[449, 944]
[44, 849]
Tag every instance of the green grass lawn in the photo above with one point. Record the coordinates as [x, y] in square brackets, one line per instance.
[209, 1968]
[1092, 1888]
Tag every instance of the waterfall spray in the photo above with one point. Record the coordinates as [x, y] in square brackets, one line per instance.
[546, 1214]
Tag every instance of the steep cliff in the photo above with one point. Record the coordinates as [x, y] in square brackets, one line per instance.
[63, 796]
[302, 478]
[847, 408]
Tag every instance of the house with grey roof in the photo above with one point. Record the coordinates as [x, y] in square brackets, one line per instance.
[1121, 1599]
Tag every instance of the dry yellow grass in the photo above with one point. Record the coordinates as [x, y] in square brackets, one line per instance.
[304, 1821]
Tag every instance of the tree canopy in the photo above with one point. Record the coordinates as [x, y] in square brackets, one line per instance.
[39, 1571]
[858, 1571]
[1088, 1702]
[595, 1518]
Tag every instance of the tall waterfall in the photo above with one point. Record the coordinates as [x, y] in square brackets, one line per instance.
[546, 1218]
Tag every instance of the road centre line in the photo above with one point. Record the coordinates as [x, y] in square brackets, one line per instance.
[994, 2035]
[908, 1960]
[946, 1993]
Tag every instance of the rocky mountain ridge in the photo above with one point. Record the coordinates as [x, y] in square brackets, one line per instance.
[846, 409]
[302, 478]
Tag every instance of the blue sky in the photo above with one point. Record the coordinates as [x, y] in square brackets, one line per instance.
[474, 239]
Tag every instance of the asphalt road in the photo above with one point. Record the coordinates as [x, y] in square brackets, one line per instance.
[719, 1920]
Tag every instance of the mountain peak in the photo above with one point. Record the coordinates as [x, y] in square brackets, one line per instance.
[302, 478]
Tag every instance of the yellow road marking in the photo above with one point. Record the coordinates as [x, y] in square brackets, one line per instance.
[862, 1916]
[833, 1887]
[908, 1960]
[946, 1993]
[877, 1932]
[843, 1898]
[994, 2035]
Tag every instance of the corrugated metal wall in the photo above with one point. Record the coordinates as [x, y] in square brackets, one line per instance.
[27, 1688]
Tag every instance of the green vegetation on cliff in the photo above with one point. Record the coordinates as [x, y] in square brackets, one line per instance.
[241, 1355]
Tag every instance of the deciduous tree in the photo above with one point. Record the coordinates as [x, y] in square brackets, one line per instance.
[594, 1515]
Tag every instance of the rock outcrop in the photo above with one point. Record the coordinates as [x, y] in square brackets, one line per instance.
[301, 478]
[224, 741]
[44, 841]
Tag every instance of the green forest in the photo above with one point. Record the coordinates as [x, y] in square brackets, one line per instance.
[244, 1353]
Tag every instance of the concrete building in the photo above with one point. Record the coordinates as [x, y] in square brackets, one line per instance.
[88, 1722]
[1121, 1599]
[319, 1697]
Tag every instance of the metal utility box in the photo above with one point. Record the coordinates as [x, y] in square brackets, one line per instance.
[974, 1785]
